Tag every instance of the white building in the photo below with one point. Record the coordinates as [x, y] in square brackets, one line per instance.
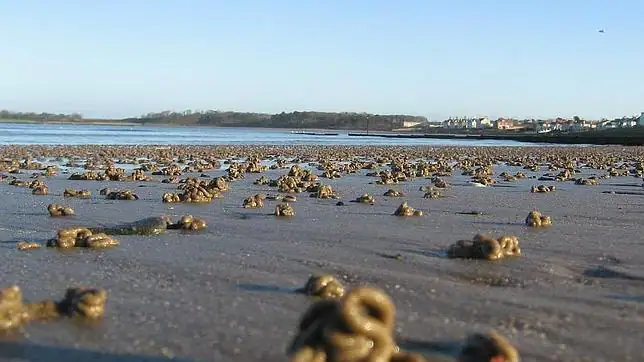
[464, 122]
[628, 123]
[580, 126]
[455, 123]
[409, 124]
[543, 127]
[624, 122]
[483, 123]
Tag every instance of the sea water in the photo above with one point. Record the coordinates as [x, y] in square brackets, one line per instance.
[77, 134]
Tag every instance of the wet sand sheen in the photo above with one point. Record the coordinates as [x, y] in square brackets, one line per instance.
[227, 293]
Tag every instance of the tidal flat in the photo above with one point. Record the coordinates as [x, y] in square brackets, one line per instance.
[227, 293]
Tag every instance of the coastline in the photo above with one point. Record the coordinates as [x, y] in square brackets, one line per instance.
[624, 137]
[173, 125]
[85, 122]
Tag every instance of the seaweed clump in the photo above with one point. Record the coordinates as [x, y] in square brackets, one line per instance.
[484, 247]
[542, 189]
[284, 209]
[190, 223]
[536, 219]
[591, 181]
[393, 193]
[406, 210]
[324, 192]
[56, 210]
[323, 286]
[170, 197]
[39, 188]
[197, 192]
[253, 202]
[432, 194]
[81, 238]
[360, 327]
[27, 245]
[86, 303]
[122, 195]
[82, 194]
[365, 199]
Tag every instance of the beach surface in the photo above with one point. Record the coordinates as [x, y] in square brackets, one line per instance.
[227, 293]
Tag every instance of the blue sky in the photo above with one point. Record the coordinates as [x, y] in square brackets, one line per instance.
[434, 58]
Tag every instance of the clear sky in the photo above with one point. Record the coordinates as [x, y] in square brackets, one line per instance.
[512, 58]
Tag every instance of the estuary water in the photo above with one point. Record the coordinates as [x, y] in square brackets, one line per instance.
[75, 134]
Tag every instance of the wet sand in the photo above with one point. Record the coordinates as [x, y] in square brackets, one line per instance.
[226, 294]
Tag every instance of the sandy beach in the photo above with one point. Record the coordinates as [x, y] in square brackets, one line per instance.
[227, 293]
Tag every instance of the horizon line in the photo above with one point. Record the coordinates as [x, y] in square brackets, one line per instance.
[202, 111]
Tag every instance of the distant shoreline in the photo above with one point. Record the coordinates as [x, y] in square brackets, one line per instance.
[167, 125]
[625, 136]
[288, 120]
[84, 122]
[88, 122]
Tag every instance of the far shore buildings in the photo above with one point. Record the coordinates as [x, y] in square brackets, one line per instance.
[409, 124]
[623, 122]
[483, 123]
[465, 122]
[503, 123]
[543, 125]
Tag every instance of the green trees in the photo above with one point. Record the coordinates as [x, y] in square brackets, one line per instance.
[308, 119]
[32, 116]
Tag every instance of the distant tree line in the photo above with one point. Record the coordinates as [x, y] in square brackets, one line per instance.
[32, 116]
[322, 120]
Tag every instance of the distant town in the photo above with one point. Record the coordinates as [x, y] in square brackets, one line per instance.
[574, 124]
[347, 121]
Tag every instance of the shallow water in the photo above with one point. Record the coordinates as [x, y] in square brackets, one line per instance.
[68, 134]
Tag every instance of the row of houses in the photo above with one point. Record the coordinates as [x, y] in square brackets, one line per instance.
[465, 122]
[482, 123]
[542, 126]
[577, 125]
